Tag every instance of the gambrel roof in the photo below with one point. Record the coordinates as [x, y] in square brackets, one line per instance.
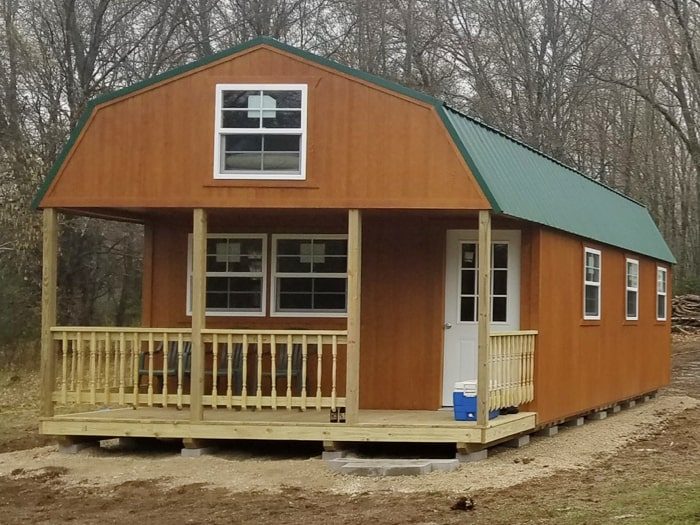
[517, 180]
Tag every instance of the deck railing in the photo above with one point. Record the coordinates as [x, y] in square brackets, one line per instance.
[105, 366]
[511, 368]
[276, 368]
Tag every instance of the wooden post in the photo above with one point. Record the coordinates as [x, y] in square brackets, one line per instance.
[482, 412]
[48, 311]
[199, 259]
[352, 382]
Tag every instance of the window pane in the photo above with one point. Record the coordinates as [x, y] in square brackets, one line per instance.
[498, 310]
[631, 304]
[289, 246]
[286, 99]
[468, 255]
[240, 119]
[244, 301]
[326, 285]
[236, 99]
[280, 162]
[294, 285]
[292, 264]
[592, 275]
[467, 311]
[335, 247]
[215, 262]
[500, 256]
[591, 301]
[277, 143]
[500, 282]
[329, 302]
[281, 119]
[661, 306]
[297, 301]
[468, 282]
[245, 284]
[243, 161]
[243, 143]
[217, 301]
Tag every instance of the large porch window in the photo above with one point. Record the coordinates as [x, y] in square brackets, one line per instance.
[307, 276]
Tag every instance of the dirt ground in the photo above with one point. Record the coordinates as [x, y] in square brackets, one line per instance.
[603, 472]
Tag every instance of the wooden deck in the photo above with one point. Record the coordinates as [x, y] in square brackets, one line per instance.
[418, 426]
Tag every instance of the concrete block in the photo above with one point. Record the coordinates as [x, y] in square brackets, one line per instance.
[128, 443]
[615, 409]
[517, 442]
[196, 452]
[328, 455]
[444, 465]
[75, 447]
[380, 467]
[597, 416]
[654, 395]
[470, 457]
[575, 422]
[629, 404]
[548, 432]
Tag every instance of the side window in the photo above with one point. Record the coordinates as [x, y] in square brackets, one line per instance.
[591, 283]
[260, 131]
[661, 287]
[632, 290]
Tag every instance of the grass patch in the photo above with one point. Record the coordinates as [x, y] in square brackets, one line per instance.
[662, 504]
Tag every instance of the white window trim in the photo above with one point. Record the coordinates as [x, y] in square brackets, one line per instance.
[219, 130]
[597, 284]
[629, 289]
[660, 270]
[231, 313]
[274, 274]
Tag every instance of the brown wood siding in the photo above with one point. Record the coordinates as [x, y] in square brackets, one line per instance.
[582, 365]
[367, 147]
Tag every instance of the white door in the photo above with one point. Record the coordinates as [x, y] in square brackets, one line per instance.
[461, 299]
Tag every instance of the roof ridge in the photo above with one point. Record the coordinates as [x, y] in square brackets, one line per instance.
[505, 135]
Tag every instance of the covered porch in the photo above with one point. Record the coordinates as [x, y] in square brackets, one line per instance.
[199, 382]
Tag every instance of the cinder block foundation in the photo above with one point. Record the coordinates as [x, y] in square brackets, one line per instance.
[517, 442]
[615, 409]
[196, 452]
[629, 404]
[548, 432]
[575, 422]
[597, 416]
[470, 457]
[73, 447]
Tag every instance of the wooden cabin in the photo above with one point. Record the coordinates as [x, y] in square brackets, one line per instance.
[328, 253]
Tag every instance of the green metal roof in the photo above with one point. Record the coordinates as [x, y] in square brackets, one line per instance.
[518, 181]
[524, 183]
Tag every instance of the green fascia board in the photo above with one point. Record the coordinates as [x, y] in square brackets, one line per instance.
[167, 75]
[530, 185]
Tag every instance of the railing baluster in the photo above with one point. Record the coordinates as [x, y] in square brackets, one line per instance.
[92, 372]
[229, 370]
[258, 402]
[244, 373]
[304, 357]
[180, 367]
[107, 370]
[214, 369]
[122, 367]
[64, 369]
[334, 372]
[80, 370]
[290, 354]
[319, 371]
[151, 351]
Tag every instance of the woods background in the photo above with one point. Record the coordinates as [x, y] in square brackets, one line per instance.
[611, 87]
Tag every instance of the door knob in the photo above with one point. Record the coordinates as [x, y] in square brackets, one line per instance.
[448, 326]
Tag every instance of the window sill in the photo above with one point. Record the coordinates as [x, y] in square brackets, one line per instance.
[260, 183]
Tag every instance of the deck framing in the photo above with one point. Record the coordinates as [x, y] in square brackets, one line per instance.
[410, 426]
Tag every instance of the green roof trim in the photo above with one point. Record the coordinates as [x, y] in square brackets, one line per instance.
[530, 185]
[517, 180]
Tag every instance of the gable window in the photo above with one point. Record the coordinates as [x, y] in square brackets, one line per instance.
[632, 290]
[309, 274]
[235, 274]
[661, 283]
[591, 284]
[260, 131]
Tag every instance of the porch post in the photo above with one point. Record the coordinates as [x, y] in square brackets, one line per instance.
[482, 413]
[48, 311]
[352, 381]
[199, 256]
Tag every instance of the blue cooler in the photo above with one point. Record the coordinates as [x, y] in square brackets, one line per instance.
[464, 400]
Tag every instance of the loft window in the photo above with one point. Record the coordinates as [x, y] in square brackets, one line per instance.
[591, 284]
[309, 275]
[632, 290]
[260, 131]
[661, 283]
